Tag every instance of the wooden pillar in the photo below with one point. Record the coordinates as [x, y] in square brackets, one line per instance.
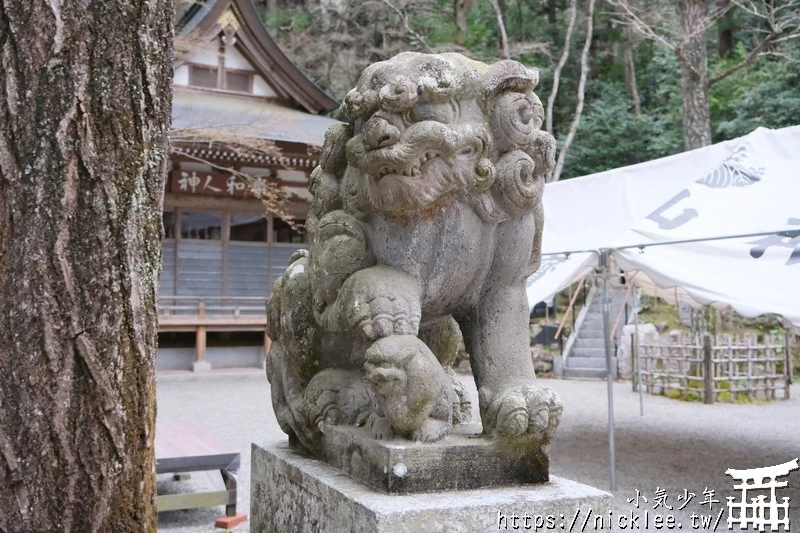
[787, 340]
[708, 371]
[200, 355]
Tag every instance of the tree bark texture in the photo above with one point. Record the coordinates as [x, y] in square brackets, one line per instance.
[84, 122]
[630, 70]
[551, 9]
[693, 53]
[725, 28]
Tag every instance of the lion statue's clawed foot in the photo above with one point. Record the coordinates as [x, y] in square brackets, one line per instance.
[381, 427]
[525, 411]
[462, 408]
[443, 337]
[335, 396]
[431, 430]
[379, 301]
[412, 390]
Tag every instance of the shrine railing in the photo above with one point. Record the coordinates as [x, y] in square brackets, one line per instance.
[211, 310]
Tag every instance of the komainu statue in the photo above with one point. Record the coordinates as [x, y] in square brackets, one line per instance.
[425, 223]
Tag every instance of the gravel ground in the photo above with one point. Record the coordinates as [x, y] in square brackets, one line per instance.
[675, 446]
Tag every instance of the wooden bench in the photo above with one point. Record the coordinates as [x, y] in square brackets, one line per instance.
[184, 447]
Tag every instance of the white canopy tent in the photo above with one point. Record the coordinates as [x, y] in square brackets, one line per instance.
[744, 187]
[719, 225]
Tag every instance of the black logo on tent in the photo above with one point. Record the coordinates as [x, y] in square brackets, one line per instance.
[733, 172]
[784, 239]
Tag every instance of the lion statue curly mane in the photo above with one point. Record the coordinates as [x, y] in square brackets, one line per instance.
[425, 223]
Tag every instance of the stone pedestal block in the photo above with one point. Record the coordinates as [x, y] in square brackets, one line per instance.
[292, 492]
[462, 460]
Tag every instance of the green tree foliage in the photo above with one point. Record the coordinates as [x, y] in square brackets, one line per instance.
[765, 95]
[625, 138]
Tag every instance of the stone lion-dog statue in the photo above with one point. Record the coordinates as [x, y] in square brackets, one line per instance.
[426, 221]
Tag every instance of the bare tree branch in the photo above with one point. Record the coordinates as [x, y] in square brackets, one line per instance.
[576, 119]
[404, 17]
[782, 56]
[518, 49]
[717, 11]
[187, 44]
[754, 53]
[504, 52]
[750, 8]
[635, 20]
[781, 19]
[273, 196]
[789, 37]
[631, 18]
[551, 99]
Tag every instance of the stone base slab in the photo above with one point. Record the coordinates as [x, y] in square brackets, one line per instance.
[461, 461]
[201, 366]
[291, 492]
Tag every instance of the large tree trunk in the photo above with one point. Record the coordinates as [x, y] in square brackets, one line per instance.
[551, 9]
[693, 53]
[461, 9]
[84, 121]
[725, 28]
[630, 70]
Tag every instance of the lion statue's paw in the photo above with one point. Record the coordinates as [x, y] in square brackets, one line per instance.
[462, 401]
[384, 316]
[431, 430]
[381, 427]
[380, 301]
[524, 411]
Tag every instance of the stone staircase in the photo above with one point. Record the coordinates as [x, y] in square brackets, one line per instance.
[586, 357]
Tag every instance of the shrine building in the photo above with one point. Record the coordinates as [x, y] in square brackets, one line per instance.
[240, 107]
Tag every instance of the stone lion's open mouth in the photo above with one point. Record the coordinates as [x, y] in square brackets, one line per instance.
[410, 171]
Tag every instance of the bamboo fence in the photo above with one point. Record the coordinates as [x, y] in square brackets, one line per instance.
[724, 368]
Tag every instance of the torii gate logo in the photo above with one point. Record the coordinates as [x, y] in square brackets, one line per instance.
[760, 512]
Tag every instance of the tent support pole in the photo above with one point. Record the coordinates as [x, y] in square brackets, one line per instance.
[636, 302]
[604, 264]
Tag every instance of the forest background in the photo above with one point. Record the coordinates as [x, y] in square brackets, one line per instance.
[624, 81]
